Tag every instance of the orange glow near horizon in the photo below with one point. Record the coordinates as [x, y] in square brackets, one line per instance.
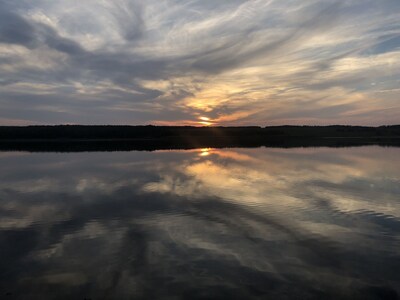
[205, 121]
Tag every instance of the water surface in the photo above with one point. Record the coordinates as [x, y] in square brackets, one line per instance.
[304, 223]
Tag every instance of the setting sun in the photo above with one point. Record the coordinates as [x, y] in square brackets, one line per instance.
[205, 121]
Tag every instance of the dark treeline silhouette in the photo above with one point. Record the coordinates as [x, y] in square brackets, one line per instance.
[113, 138]
[156, 132]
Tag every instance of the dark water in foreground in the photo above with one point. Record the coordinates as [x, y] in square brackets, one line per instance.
[203, 224]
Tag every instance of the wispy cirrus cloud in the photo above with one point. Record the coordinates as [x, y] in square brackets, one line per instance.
[170, 62]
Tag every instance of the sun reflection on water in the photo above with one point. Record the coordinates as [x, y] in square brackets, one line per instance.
[205, 152]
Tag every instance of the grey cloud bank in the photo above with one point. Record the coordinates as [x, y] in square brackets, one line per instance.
[171, 62]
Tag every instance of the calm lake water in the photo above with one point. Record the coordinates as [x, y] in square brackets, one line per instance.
[305, 223]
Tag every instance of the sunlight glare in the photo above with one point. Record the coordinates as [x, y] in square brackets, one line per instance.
[205, 152]
[205, 121]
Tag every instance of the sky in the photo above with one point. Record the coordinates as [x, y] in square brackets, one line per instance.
[205, 62]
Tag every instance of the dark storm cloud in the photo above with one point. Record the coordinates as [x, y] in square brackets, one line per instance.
[15, 30]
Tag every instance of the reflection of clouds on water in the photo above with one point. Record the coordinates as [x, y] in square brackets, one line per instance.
[234, 224]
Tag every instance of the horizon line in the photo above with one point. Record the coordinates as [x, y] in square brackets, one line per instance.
[204, 126]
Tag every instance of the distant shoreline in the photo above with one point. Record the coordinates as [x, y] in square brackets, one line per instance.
[76, 138]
